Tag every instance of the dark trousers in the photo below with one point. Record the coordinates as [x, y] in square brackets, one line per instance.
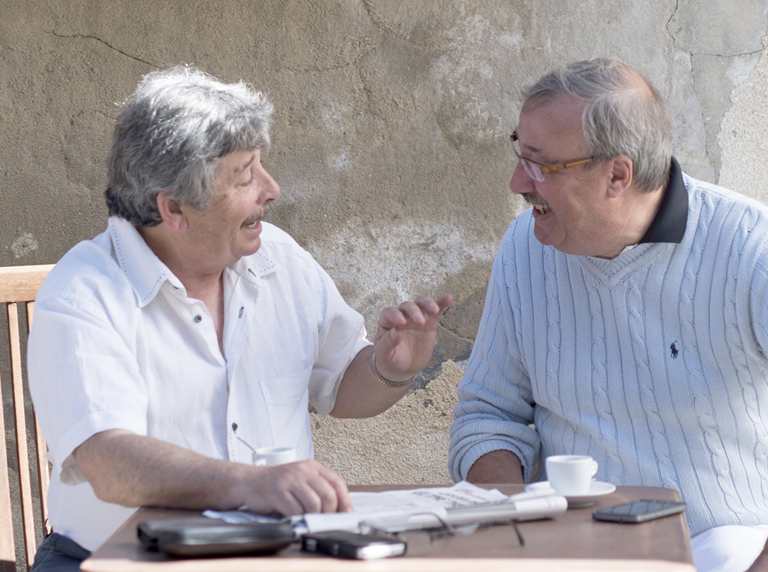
[58, 553]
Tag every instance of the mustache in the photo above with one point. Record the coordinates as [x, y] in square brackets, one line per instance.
[258, 216]
[533, 200]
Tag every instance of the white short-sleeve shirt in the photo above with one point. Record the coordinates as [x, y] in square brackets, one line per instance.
[117, 344]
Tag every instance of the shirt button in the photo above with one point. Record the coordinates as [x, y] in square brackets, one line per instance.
[198, 318]
[234, 426]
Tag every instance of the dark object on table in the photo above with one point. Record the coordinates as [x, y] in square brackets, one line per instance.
[342, 544]
[639, 511]
[203, 537]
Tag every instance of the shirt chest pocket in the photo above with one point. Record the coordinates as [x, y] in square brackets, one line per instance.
[287, 389]
[286, 399]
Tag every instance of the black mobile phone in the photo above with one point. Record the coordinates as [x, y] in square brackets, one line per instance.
[639, 511]
[342, 544]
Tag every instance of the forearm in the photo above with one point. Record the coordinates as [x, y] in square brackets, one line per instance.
[404, 342]
[133, 470]
[361, 394]
[491, 438]
[499, 466]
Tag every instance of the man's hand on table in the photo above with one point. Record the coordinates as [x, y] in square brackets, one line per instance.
[135, 470]
[296, 488]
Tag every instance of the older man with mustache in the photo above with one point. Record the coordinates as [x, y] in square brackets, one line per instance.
[188, 334]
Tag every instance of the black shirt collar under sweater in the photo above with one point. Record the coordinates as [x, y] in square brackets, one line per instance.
[669, 223]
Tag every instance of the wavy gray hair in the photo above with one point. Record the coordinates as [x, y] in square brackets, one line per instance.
[624, 115]
[171, 135]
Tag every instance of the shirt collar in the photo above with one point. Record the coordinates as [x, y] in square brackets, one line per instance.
[669, 223]
[253, 268]
[147, 273]
[144, 270]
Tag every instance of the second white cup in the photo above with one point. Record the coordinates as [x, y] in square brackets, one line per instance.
[271, 456]
[571, 475]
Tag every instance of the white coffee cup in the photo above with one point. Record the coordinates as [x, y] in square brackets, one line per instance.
[571, 475]
[271, 456]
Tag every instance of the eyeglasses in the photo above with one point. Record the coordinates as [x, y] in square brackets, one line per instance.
[443, 530]
[536, 171]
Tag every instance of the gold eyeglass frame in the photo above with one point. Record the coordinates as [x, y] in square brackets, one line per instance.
[531, 167]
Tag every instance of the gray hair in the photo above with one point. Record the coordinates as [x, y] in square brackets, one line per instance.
[171, 135]
[624, 115]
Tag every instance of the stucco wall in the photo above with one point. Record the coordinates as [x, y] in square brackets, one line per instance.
[390, 140]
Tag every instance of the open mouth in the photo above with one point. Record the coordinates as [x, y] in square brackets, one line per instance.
[538, 203]
[253, 222]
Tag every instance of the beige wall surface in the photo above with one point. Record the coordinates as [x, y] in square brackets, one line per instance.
[390, 142]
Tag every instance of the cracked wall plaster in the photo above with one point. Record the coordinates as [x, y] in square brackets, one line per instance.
[474, 62]
[743, 135]
[689, 139]
[416, 259]
[719, 27]
[723, 41]
[391, 131]
[714, 78]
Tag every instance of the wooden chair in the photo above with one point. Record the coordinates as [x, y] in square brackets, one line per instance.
[18, 288]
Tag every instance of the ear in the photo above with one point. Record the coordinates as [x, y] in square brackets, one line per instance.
[171, 211]
[621, 175]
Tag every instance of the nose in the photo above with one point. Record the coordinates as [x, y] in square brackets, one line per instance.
[270, 190]
[520, 182]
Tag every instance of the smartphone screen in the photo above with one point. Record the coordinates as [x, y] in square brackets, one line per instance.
[639, 511]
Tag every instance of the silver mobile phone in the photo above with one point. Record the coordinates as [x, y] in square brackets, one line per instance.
[639, 511]
[342, 544]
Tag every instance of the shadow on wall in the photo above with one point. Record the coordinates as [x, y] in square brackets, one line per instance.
[408, 444]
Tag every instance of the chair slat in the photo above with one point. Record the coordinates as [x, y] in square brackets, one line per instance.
[43, 474]
[20, 283]
[25, 485]
[7, 546]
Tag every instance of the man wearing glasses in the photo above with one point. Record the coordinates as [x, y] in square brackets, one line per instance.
[626, 316]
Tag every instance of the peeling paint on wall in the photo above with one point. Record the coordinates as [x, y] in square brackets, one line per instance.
[24, 245]
[475, 80]
[689, 140]
[379, 266]
[743, 135]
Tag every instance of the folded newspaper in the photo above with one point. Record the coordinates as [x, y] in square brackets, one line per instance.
[412, 509]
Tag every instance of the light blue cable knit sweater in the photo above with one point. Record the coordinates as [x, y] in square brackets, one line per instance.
[653, 362]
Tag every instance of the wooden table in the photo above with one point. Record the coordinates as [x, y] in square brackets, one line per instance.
[571, 542]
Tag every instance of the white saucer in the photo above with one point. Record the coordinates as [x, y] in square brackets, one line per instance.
[596, 489]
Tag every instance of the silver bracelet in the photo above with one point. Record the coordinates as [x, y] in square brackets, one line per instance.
[383, 379]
